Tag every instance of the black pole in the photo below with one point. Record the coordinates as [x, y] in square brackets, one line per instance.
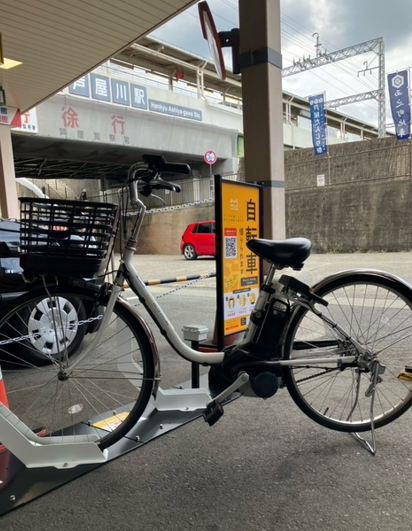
[195, 368]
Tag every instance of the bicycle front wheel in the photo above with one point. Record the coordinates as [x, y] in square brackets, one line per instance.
[105, 394]
[375, 309]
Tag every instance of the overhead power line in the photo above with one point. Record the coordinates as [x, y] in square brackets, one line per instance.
[323, 58]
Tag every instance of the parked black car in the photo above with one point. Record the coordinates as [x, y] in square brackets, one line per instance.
[14, 284]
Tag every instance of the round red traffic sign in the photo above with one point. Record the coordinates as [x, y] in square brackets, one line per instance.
[210, 157]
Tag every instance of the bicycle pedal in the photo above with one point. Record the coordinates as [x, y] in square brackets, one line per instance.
[213, 412]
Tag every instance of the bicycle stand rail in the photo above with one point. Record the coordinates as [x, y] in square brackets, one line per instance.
[172, 409]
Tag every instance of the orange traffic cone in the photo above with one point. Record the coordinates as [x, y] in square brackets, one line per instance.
[3, 399]
[3, 395]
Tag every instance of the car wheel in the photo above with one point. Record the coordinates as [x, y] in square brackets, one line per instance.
[55, 336]
[189, 252]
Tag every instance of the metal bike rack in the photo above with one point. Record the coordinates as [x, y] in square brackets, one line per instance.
[172, 409]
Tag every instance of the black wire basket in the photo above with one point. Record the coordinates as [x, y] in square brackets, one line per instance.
[66, 238]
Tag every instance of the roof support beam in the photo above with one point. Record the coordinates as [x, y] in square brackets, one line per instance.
[8, 191]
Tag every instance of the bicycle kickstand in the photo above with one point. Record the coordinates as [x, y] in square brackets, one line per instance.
[376, 371]
[214, 408]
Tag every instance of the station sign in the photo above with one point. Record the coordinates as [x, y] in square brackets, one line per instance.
[110, 90]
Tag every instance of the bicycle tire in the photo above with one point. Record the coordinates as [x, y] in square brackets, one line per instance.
[105, 395]
[375, 308]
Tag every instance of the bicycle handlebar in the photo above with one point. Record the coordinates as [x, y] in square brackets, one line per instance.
[149, 179]
[158, 164]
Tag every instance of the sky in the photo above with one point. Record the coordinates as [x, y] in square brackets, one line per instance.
[339, 23]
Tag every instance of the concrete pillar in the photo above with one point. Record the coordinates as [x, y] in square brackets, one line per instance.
[8, 189]
[261, 68]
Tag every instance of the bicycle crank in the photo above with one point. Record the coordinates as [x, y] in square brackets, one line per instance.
[214, 408]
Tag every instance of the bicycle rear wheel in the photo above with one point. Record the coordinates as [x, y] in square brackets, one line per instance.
[105, 394]
[376, 310]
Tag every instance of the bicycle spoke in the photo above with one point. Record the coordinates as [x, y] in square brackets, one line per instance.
[379, 317]
[109, 386]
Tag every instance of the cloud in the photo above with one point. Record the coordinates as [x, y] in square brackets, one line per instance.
[339, 24]
[348, 22]
[185, 32]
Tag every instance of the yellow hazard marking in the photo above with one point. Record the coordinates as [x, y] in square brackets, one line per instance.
[111, 423]
[405, 376]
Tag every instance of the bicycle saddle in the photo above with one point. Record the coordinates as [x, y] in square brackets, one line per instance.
[282, 253]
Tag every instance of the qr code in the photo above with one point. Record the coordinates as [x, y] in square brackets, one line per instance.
[230, 247]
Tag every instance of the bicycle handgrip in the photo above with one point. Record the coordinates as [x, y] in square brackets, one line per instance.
[173, 167]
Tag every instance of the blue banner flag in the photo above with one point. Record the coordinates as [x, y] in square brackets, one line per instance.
[399, 97]
[317, 119]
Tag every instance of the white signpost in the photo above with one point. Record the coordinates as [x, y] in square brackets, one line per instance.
[210, 158]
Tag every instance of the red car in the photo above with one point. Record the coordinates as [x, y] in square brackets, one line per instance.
[198, 240]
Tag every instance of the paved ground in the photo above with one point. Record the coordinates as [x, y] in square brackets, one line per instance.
[263, 466]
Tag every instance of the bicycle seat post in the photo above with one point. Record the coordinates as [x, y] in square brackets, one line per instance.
[269, 277]
[266, 291]
[266, 288]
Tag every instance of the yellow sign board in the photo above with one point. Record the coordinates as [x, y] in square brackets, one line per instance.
[238, 269]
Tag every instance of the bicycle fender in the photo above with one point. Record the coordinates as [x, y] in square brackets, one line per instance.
[372, 272]
[148, 333]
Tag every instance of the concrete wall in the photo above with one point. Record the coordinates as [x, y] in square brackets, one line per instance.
[162, 232]
[356, 217]
[365, 204]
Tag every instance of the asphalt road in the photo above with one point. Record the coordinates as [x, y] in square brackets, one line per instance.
[263, 466]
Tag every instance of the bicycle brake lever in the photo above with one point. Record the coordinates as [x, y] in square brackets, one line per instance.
[160, 184]
[146, 190]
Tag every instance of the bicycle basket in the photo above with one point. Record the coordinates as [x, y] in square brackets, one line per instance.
[66, 238]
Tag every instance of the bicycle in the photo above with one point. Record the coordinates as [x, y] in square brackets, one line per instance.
[340, 348]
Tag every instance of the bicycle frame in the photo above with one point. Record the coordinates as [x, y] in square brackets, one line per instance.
[127, 272]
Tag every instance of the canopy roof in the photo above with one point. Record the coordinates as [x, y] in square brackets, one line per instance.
[58, 41]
